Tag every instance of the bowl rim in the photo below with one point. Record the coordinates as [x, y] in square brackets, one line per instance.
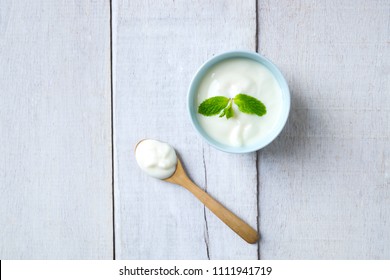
[192, 90]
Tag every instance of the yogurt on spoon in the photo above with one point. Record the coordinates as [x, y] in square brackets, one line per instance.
[157, 159]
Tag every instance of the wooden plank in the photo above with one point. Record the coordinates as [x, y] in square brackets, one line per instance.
[55, 166]
[324, 183]
[157, 51]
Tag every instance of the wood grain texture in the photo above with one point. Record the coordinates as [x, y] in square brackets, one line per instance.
[324, 183]
[157, 48]
[55, 164]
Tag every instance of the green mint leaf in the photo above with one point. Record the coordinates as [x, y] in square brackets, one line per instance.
[213, 106]
[250, 105]
[228, 111]
[223, 113]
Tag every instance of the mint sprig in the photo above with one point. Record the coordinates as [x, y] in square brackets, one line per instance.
[223, 106]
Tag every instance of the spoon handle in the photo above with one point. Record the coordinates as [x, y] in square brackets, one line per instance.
[244, 230]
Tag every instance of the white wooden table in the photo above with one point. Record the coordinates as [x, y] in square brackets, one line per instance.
[82, 81]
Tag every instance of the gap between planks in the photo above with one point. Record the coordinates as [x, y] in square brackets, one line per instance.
[257, 152]
[112, 139]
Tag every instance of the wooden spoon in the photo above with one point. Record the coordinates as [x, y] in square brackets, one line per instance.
[244, 230]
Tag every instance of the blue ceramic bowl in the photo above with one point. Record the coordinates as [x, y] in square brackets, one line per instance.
[193, 89]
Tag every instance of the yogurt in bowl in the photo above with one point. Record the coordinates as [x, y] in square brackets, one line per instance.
[230, 77]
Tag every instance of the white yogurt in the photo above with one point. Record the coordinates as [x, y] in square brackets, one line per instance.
[157, 159]
[229, 78]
